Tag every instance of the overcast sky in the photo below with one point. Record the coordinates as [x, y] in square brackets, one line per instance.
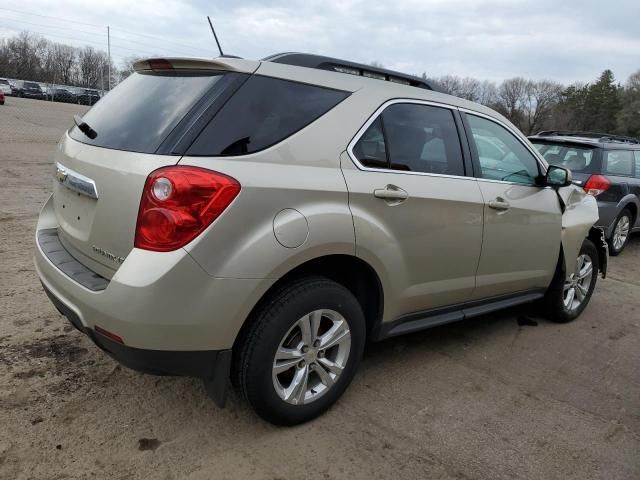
[561, 40]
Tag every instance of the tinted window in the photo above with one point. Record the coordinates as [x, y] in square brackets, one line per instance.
[575, 158]
[371, 149]
[421, 138]
[263, 112]
[618, 162]
[637, 156]
[141, 111]
[501, 155]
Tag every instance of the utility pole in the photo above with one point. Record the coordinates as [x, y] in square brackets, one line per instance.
[109, 56]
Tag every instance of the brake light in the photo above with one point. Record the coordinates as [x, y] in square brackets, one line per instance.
[178, 203]
[159, 64]
[596, 184]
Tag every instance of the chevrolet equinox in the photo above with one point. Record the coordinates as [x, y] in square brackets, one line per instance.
[256, 222]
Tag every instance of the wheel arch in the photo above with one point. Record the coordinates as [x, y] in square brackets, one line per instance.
[353, 273]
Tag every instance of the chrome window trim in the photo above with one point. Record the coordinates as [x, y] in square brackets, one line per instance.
[374, 117]
[452, 108]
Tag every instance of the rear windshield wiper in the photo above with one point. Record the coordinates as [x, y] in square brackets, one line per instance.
[84, 127]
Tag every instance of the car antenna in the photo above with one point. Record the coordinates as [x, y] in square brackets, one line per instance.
[213, 30]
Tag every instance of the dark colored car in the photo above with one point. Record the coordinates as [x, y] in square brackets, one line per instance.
[32, 90]
[64, 95]
[87, 96]
[607, 167]
[1, 97]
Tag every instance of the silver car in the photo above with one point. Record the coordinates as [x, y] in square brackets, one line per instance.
[259, 221]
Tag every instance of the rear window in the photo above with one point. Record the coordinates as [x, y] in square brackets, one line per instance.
[263, 112]
[142, 111]
[574, 157]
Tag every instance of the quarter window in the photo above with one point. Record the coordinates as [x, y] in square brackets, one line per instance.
[618, 162]
[637, 156]
[263, 112]
[371, 150]
[501, 155]
[414, 138]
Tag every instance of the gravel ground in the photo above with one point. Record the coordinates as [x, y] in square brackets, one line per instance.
[491, 398]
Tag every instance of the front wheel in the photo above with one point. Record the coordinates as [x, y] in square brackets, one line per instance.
[570, 292]
[301, 352]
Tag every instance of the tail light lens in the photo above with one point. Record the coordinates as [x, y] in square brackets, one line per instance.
[178, 203]
[596, 184]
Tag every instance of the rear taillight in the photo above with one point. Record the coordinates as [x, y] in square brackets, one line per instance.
[596, 184]
[178, 203]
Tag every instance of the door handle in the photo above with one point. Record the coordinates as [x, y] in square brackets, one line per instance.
[391, 193]
[499, 204]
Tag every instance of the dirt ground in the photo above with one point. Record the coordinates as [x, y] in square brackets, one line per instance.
[491, 398]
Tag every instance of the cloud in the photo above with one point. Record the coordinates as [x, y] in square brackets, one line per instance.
[489, 39]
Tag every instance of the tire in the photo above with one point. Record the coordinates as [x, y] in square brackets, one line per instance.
[556, 302]
[277, 327]
[621, 232]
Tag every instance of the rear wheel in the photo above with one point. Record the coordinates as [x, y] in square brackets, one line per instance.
[570, 292]
[621, 231]
[301, 352]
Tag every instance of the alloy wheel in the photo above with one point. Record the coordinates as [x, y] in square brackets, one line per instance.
[621, 232]
[311, 357]
[576, 286]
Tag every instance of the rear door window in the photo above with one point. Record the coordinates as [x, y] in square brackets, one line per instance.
[423, 138]
[263, 112]
[414, 138]
[636, 154]
[618, 162]
[141, 111]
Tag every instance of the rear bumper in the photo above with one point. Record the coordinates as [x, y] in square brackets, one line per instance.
[212, 366]
[160, 301]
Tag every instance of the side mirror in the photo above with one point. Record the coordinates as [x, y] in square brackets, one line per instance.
[558, 177]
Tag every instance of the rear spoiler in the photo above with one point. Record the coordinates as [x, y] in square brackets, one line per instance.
[226, 64]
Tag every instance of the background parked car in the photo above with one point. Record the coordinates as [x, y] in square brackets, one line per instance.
[16, 88]
[63, 95]
[5, 86]
[32, 90]
[87, 96]
[608, 167]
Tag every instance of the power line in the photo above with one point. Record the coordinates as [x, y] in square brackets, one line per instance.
[154, 37]
[101, 35]
[57, 27]
[49, 16]
[76, 39]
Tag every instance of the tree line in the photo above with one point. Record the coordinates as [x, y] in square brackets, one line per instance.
[532, 105]
[32, 57]
[535, 105]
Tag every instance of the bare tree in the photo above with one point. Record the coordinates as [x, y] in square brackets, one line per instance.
[538, 103]
[510, 98]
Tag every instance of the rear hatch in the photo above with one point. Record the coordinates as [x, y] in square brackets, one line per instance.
[99, 181]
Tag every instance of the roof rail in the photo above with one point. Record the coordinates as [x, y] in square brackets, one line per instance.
[601, 137]
[344, 66]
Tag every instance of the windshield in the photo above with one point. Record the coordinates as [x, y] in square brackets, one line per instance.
[142, 111]
[576, 158]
